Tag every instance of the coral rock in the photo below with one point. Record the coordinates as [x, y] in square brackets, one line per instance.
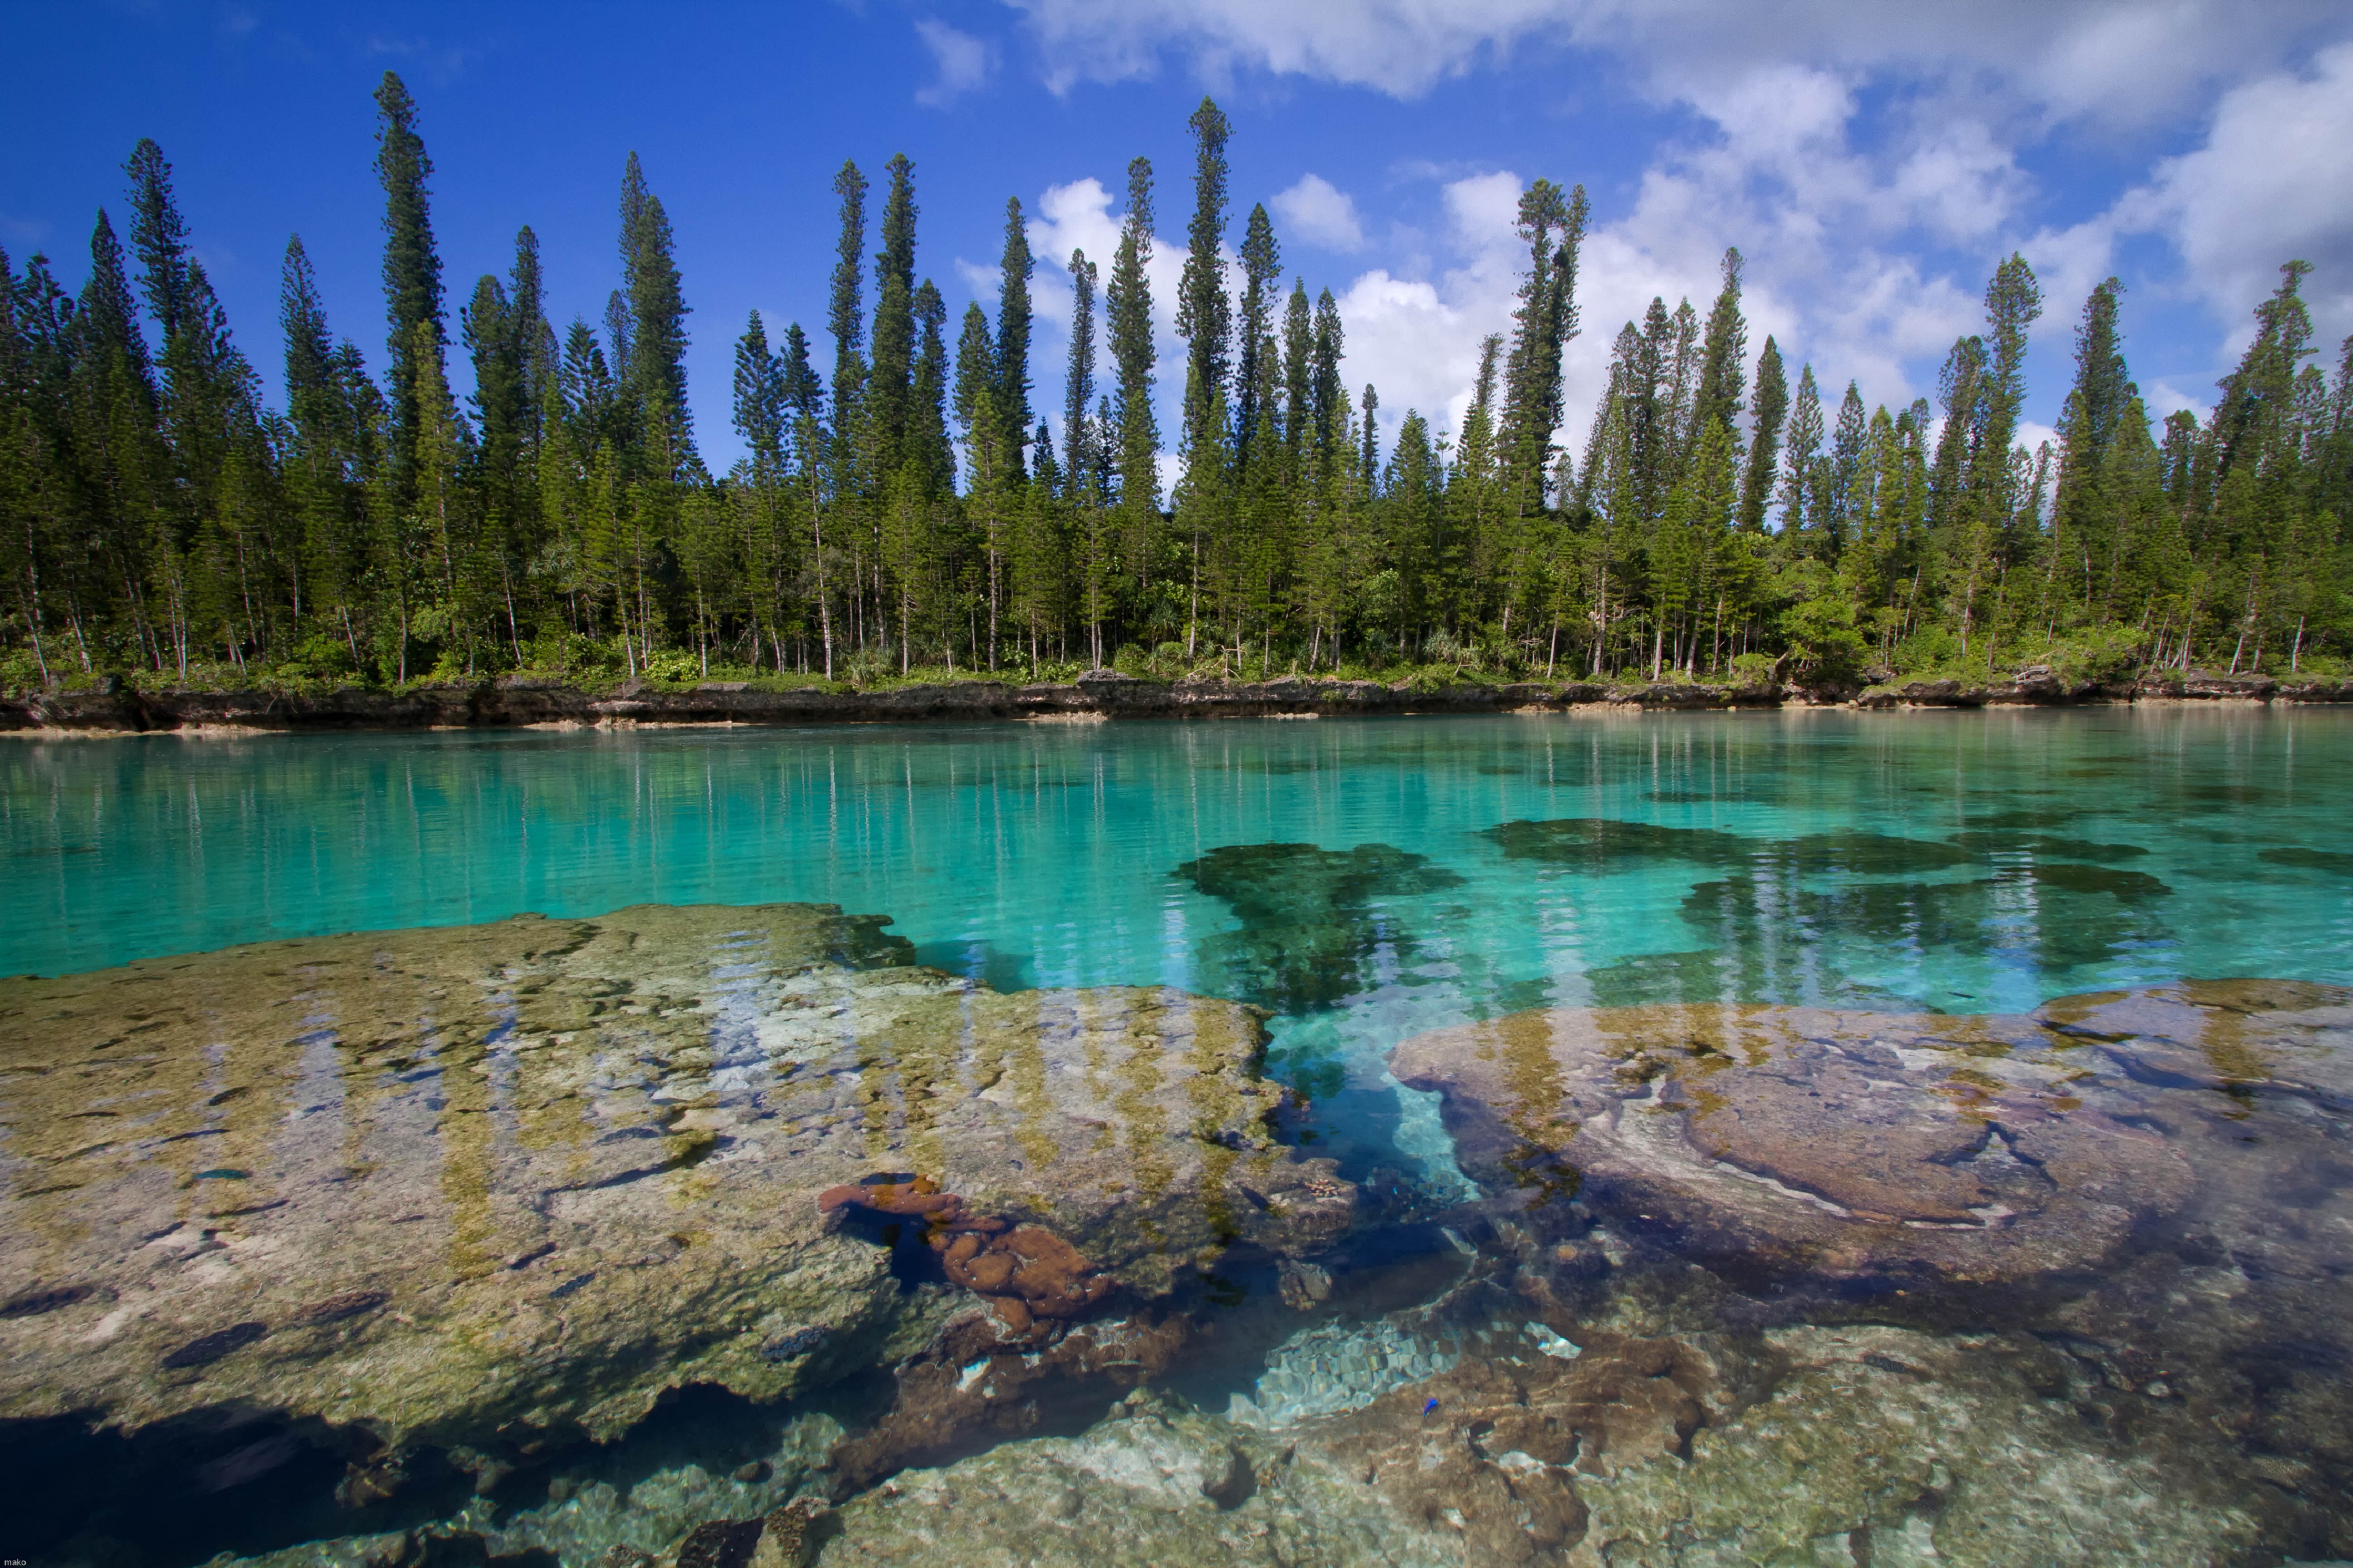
[488, 1186]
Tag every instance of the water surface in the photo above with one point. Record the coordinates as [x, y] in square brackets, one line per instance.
[1441, 868]
[2099, 1240]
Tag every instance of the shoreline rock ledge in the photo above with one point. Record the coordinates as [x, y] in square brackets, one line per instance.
[524, 701]
[488, 1188]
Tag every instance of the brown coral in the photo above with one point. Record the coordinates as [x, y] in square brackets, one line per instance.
[1025, 1273]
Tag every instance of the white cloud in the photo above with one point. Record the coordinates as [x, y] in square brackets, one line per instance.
[1415, 340]
[1959, 183]
[2124, 61]
[1320, 213]
[1823, 229]
[2273, 182]
[965, 62]
[2163, 398]
[1078, 216]
[1419, 350]
[1855, 142]
[1868, 161]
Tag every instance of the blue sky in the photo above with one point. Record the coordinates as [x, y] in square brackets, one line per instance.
[1874, 163]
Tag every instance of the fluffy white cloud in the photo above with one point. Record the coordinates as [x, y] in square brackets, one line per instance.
[1866, 160]
[1840, 235]
[1822, 227]
[1320, 213]
[2273, 182]
[1078, 217]
[965, 62]
[1415, 340]
[2121, 61]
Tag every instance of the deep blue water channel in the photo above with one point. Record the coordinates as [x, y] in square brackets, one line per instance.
[1963, 862]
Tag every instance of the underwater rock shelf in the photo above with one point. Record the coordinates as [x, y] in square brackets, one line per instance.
[1930, 1150]
[511, 1226]
[493, 1188]
[2063, 1287]
[1100, 694]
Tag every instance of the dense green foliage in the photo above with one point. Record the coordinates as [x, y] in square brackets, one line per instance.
[160, 521]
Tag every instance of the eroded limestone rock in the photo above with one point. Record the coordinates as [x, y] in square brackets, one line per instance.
[1801, 1140]
[1885, 1445]
[1154, 1485]
[474, 1184]
[1804, 1446]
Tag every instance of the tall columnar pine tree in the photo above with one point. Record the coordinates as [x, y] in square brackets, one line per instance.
[890, 387]
[657, 316]
[1015, 270]
[412, 278]
[1204, 320]
[1088, 445]
[1080, 440]
[1261, 260]
[990, 488]
[1765, 439]
[1127, 309]
[1552, 226]
[1204, 313]
[1724, 356]
[159, 516]
[1802, 447]
[846, 321]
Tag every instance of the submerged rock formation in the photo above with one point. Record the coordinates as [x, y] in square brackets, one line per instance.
[1029, 1276]
[494, 1187]
[2140, 1201]
[1806, 1445]
[1745, 1284]
[1794, 1141]
[1309, 928]
[1156, 1485]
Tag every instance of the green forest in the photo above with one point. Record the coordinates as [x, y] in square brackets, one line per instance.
[906, 511]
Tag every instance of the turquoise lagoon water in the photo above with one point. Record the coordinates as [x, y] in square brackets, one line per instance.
[1961, 862]
[1047, 855]
[1951, 861]
[1365, 880]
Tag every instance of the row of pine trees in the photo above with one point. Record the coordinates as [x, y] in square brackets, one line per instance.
[913, 509]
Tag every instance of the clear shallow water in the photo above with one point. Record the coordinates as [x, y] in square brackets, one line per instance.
[1959, 862]
[1365, 881]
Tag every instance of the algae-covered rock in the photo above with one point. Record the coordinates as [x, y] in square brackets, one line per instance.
[1309, 927]
[1799, 1447]
[1799, 1139]
[464, 1185]
[1885, 1445]
[1153, 1485]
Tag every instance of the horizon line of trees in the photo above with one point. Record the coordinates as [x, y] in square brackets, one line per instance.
[910, 507]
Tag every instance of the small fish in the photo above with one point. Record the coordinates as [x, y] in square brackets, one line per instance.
[1428, 1405]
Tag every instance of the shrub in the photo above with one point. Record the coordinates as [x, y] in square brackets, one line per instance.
[20, 672]
[672, 664]
[1822, 642]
